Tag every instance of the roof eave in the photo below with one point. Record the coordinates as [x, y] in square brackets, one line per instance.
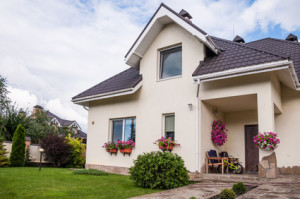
[248, 70]
[128, 91]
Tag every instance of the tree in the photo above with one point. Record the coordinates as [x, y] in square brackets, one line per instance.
[78, 148]
[17, 155]
[11, 118]
[4, 161]
[4, 100]
[39, 127]
[57, 149]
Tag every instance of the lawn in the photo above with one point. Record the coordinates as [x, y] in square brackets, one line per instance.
[28, 182]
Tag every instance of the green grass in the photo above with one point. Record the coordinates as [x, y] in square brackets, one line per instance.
[90, 172]
[62, 183]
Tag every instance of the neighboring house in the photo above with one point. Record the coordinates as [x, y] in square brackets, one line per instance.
[180, 80]
[70, 125]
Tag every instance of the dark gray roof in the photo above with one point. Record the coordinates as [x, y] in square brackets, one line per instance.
[124, 80]
[282, 47]
[235, 55]
[63, 122]
[291, 37]
[81, 134]
[184, 13]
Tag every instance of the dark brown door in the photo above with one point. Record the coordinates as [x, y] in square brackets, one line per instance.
[251, 153]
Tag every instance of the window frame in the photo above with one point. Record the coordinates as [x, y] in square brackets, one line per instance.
[164, 124]
[160, 62]
[123, 127]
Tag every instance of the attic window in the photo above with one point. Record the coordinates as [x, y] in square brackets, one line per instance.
[171, 63]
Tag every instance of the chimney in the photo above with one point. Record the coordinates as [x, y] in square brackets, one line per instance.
[185, 15]
[292, 37]
[239, 39]
[35, 109]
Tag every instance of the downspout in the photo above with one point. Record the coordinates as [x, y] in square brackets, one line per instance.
[86, 108]
[197, 128]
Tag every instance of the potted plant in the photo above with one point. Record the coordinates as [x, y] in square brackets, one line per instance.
[110, 147]
[125, 146]
[218, 133]
[166, 143]
[267, 141]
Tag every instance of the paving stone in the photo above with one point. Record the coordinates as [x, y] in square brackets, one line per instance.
[264, 164]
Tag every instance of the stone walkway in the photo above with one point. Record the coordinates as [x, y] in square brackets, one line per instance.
[282, 187]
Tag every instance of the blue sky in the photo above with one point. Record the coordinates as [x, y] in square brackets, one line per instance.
[53, 49]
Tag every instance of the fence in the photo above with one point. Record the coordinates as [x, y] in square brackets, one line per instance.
[33, 148]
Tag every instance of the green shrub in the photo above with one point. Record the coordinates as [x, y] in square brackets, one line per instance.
[77, 159]
[90, 172]
[227, 194]
[4, 161]
[17, 155]
[193, 197]
[239, 188]
[158, 170]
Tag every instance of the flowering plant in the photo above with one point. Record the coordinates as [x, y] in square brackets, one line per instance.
[125, 144]
[109, 146]
[218, 133]
[266, 140]
[164, 143]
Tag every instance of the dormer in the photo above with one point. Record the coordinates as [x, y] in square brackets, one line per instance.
[162, 17]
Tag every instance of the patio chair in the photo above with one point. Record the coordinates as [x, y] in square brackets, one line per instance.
[212, 160]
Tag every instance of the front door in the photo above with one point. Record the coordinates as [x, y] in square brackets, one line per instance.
[251, 153]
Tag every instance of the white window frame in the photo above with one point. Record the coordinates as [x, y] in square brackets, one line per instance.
[160, 52]
[123, 126]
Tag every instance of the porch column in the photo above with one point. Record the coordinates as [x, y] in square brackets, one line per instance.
[266, 120]
[266, 123]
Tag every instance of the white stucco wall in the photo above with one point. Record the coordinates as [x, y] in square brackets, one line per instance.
[155, 98]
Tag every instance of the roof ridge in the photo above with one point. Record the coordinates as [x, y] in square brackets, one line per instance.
[104, 81]
[252, 48]
[281, 40]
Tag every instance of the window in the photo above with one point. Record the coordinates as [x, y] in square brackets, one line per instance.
[171, 63]
[169, 126]
[123, 129]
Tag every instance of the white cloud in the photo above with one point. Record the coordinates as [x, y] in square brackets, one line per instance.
[22, 98]
[55, 49]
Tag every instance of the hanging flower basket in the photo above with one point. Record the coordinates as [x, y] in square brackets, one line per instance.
[218, 133]
[267, 141]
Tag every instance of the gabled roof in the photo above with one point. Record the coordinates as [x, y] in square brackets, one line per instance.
[239, 39]
[234, 55]
[126, 81]
[164, 15]
[282, 47]
[62, 122]
[81, 134]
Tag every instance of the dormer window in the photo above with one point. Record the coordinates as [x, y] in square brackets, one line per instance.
[171, 63]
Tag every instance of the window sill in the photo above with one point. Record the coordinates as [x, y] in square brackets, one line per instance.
[169, 78]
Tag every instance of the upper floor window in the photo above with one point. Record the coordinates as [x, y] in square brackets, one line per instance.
[171, 63]
[123, 129]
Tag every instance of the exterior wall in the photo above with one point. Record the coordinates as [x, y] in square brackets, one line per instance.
[235, 123]
[287, 128]
[154, 98]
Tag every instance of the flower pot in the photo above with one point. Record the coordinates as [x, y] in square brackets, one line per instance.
[113, 150]
[170, 148]
[129, 150]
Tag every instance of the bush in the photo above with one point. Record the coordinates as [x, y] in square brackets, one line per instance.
[78, 149]
[239, 188]
[57, 149]
[227, 194]
[17, 155]
[193, 197]
[4, 161]
[158, 170]
[90, 172]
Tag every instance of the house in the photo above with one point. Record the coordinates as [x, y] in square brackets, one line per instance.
[180, 80]
[70, 125]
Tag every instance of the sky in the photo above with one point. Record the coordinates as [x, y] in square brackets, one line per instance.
[51, 50]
